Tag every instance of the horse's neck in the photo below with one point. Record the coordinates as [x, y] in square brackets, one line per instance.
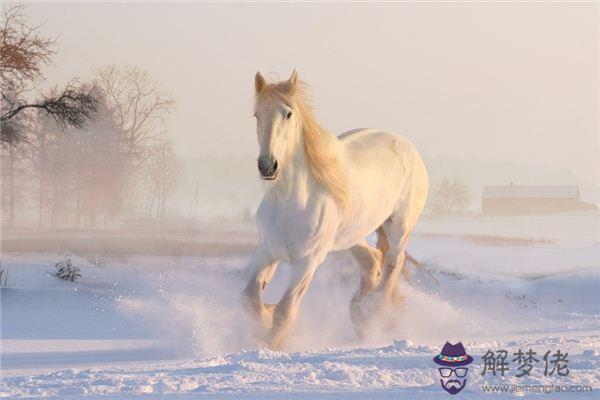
[296, 178]
[297, 181]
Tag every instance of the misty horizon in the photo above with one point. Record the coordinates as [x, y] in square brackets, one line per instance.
[517, 95]
[492, 108]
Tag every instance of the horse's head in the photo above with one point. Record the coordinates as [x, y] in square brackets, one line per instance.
[278, 124]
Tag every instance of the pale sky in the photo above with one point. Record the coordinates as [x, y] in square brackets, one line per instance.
[502, 82]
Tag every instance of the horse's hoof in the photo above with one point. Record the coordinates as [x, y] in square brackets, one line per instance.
[376, 310]
[275, 341]
[266, 319]
[362, 312]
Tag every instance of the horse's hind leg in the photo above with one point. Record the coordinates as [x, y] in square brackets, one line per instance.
[369, 260]
[382, 241]
[397, 234]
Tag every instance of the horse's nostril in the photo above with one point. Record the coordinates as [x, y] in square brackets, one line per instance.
[267, 166]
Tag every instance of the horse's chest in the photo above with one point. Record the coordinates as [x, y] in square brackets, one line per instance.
[293, 231]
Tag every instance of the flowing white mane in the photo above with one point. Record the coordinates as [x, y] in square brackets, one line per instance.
[322, 148]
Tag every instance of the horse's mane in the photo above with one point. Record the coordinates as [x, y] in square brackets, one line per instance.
[322, 148]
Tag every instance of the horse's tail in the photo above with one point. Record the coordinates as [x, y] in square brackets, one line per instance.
[418, 264]
[383, 246]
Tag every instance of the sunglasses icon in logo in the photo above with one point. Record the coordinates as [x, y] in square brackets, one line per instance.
[459, 372]
[453, 374]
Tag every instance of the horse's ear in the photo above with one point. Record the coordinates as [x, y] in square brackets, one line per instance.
[292, 83]
[294, 78]
[259, 82]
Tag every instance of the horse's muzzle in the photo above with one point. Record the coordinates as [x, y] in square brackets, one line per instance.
[268, 167]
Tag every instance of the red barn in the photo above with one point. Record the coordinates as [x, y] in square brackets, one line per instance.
[518, 199]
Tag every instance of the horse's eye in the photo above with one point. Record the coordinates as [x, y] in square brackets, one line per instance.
[289, 115]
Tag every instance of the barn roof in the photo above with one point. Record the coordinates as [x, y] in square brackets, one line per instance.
[521, 191]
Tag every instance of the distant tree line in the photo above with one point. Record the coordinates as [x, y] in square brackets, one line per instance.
[88, 155]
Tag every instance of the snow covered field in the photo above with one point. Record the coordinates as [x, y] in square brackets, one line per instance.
[171, 327]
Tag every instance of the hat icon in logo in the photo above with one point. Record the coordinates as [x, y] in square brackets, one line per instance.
[452, 360]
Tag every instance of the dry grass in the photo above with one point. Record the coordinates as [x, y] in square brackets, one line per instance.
[491, 240]
[210, 244]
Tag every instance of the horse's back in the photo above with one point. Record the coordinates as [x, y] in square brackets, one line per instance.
[387, 171]
[368, 141]
[343, 135]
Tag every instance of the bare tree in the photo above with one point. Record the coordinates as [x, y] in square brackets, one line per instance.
[83, 145]
[100, 170]
[14, 171]
[43, 136]
[450, 197]
[164, 172]
[23, 50]
[73, 105]
[81, 172]
[23, 54]
[140, 107]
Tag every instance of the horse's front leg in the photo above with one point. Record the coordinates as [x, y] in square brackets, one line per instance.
[286, 310]
[263, 268]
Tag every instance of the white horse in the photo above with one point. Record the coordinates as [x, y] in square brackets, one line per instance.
[328, 193]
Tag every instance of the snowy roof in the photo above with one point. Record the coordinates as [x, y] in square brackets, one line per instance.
[521, 191]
